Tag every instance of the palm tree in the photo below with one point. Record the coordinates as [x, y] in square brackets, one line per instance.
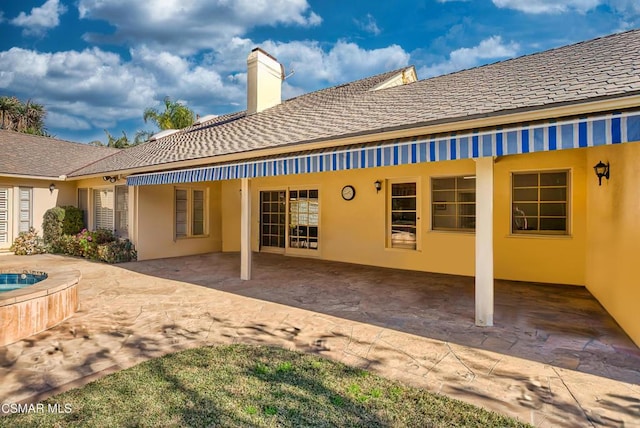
[9, 107]
[27, 118]
[174, 116]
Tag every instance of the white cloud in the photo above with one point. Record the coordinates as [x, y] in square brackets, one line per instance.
[41, 18]
[314, 67]
[368, 24]
[185, 27]
[93, 88]
[78, 87]
[548, 6]
[489, 49]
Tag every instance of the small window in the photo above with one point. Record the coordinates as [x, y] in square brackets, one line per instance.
[453, 203]
[403, 215]
[190, 212]
[540, 202]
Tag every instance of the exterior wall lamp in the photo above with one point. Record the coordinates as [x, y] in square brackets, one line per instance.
[602, 170]
[110, 179]
[378, 185]
[52, 187]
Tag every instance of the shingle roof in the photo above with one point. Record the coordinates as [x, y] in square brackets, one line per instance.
[24, 154]
[595, 69]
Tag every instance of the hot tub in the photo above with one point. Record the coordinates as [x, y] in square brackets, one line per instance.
[14, 281]
[30, 308]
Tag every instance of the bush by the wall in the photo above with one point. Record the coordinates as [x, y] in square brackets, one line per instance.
[69, 244]
[28, 243]
[73, 221]
[118, 251]
[52, 227]
[58, 222]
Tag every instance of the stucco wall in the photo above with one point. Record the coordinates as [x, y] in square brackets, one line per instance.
[541, 258]
[354, 231]
[613, 244]
[42, 198]
[155, 225]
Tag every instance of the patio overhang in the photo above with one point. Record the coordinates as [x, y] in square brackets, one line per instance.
[483, 146]
[590, 131]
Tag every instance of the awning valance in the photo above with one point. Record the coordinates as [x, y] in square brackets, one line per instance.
[592, 131]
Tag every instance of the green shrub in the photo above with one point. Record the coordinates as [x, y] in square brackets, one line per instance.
[52, 227]
[102, 236]
[117, 251]
[58, 222]
[73, 221]
[88, 245]
[69, 244]
[28, 243]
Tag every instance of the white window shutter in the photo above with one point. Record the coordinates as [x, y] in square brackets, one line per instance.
[103, 208]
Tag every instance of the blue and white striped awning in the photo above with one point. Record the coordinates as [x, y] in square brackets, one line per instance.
[592, 131]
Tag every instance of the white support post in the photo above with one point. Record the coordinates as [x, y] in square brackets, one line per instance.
[484, 241]
[245, 229]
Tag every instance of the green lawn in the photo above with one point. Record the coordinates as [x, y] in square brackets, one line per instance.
[240, 386]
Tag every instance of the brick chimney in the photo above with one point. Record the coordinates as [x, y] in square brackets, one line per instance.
[264, 81]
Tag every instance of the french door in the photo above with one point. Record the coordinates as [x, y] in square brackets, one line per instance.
[289, 221]
[273, 209]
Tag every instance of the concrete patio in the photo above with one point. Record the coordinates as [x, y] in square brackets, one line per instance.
[553, 358]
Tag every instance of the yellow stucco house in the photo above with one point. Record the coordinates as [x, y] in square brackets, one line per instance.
[526, 169]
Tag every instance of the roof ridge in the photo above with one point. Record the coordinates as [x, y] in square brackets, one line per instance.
[350, 83]
[23, 134]
[533, 54]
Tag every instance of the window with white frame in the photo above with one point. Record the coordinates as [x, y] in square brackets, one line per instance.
[403, 215]
[190, 212]
[103, 204]
[540, 202]
[4, 215]
[26, 207]
[453, 203]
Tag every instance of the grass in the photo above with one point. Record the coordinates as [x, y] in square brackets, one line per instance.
[241, 385]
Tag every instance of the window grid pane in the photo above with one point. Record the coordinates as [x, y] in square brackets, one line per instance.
[453, 203]
[272, 232]
[540, 202]
[404, 215]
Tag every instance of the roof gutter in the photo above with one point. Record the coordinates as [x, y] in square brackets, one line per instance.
[34, 177]
[434, 127]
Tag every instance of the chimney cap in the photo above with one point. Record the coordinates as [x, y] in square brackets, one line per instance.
[259, 49]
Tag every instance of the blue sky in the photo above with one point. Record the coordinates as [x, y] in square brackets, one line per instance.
[97, 64]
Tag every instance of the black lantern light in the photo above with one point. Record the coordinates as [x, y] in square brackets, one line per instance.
[602, 170]
[378, 185]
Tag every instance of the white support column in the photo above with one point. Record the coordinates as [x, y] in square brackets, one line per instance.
[484, 241]
[245, 229]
